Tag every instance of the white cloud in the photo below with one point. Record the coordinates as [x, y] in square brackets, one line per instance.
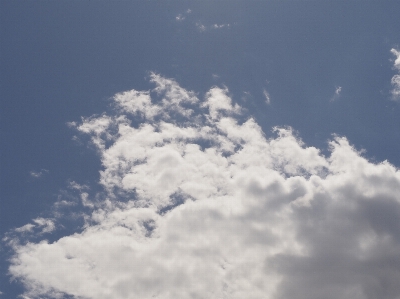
[26, 228]
[86, 202]
[182, 16]
[38, 174]
[267, 96]
[74, 185]
[213, 208]
[396, 78]
[336, 96]
[219, 26]
[64, 203]
[45, 226]
[201, 27]
[397, 61]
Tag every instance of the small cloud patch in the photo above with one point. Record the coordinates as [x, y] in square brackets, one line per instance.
[38, 174]
[267, 96]
[396, 78]
[182, 16]
[336, 95]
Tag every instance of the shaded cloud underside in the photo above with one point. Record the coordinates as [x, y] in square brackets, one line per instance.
[213, 208]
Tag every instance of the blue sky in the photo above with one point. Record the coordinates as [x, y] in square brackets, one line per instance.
[314, 69]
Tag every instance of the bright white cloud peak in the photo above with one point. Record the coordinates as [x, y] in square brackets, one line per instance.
[201, 204]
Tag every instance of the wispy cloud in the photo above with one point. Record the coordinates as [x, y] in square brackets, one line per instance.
[219, 26]
[74, 185]
[45, 226]
[201, 27]
[26, 228]
[200, 24]
[201, 203]
[336, 95]
[396, 78]
[182, 16]
[267, 96]
[38, 174]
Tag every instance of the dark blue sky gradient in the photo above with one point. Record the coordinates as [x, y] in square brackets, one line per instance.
[61, 60]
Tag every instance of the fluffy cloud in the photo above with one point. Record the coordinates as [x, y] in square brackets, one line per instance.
[396, 78]
[200, 203]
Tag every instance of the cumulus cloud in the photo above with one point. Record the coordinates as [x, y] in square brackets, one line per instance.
[396, 78]
[201, 203]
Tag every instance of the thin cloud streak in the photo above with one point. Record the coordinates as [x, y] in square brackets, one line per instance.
[267, 96]
[200, 203]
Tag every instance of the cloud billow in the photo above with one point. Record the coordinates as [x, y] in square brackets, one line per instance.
[212, 208]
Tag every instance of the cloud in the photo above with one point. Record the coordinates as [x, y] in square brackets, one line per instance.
[267, 96]
[219, 26]
[38, 174]
[182, 16]
[26, 228]
[337, 94]
[396, 78]
[201, 27]
[75, 186]
[45, 225]
[201, 203]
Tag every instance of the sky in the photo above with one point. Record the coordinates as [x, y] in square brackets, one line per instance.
[200, 149]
